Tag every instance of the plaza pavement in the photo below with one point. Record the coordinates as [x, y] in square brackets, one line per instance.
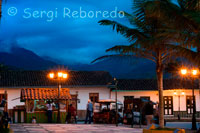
[73, 128]
[90, 128]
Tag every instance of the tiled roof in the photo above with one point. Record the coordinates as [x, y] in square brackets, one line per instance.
[44, 93]
[40, 79]
[151, 84]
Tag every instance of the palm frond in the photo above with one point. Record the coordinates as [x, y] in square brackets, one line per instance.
[189, 4]
[131, 34]
[125, 49]
[110, 56]
[133, 51]
[184, 52]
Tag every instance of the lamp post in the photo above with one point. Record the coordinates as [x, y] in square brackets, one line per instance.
[193, 74]
[116, 82]
[59, 76]
[179, 106]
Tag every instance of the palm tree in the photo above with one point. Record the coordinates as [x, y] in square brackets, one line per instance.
[147, 40]
[191, 10]
[0, 8]
[184, 23]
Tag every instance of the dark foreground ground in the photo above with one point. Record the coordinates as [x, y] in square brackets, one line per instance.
[72, 128]
[90, 128]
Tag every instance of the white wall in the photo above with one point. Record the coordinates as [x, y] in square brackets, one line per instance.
[137, 94]
[83, 94]
[182, 99]
[104, 93]
[154, 97]
[13, 94]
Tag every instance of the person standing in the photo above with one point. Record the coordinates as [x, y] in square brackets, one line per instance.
[49, 111]
[156, 115]
[89, 112]
[149, 112]
[71, 113]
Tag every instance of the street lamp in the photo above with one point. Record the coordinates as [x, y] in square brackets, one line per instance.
[193, 73]
[179, 96]
[59, 76]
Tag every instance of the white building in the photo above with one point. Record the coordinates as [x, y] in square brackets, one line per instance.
[177, 94]
[95, 86]
[82, 85]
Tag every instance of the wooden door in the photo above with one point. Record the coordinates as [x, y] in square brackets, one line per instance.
[168, 105]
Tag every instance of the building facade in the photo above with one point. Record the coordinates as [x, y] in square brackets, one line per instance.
[83, 85]
[177, 94]
[96, 86]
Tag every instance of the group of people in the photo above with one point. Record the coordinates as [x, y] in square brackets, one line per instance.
[149, 111]
[71, 112]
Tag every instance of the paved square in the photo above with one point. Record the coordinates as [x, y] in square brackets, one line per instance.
[72, 128]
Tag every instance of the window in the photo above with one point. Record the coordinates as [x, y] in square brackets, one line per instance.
[168, 105]
[189, 104]
[94, 97]
[128, 102]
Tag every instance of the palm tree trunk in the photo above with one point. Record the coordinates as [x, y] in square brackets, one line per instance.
[0, 8]
[159, 73]
[160, 92]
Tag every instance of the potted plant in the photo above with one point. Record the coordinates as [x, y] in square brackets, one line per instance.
[154, 129]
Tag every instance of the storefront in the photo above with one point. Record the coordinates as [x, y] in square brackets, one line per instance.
[35, 103]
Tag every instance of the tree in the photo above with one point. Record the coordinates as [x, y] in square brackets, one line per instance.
[184, 23]
[148, 39]
[0, 8]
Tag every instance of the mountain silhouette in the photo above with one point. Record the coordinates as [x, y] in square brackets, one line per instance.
[122, 67]
[24, 59]
[119, 67]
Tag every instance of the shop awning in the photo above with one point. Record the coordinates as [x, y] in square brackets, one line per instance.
[44, 94]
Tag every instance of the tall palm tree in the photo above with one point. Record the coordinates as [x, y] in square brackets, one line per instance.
[0, 8]
[184, 22]
[147, 40]
[191, 10]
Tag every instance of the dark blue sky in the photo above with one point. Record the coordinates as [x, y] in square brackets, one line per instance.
[70, 40]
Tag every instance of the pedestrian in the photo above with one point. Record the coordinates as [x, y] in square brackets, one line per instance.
[71, 113]
[89, 112]
[49, 111]
[156, 115]
[149, 112]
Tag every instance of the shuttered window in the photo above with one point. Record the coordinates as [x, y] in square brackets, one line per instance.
[94, 97]
[189, 104]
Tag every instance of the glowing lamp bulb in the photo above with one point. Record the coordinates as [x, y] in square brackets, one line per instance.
[182, 93]
[175, 93]
[194, 72]
[64, 75]
[60, 74]
[183, 71]
[51, 75]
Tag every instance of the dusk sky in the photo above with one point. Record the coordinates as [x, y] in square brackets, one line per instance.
[69, 39]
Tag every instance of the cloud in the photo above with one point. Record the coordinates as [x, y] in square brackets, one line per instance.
[70, 40]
